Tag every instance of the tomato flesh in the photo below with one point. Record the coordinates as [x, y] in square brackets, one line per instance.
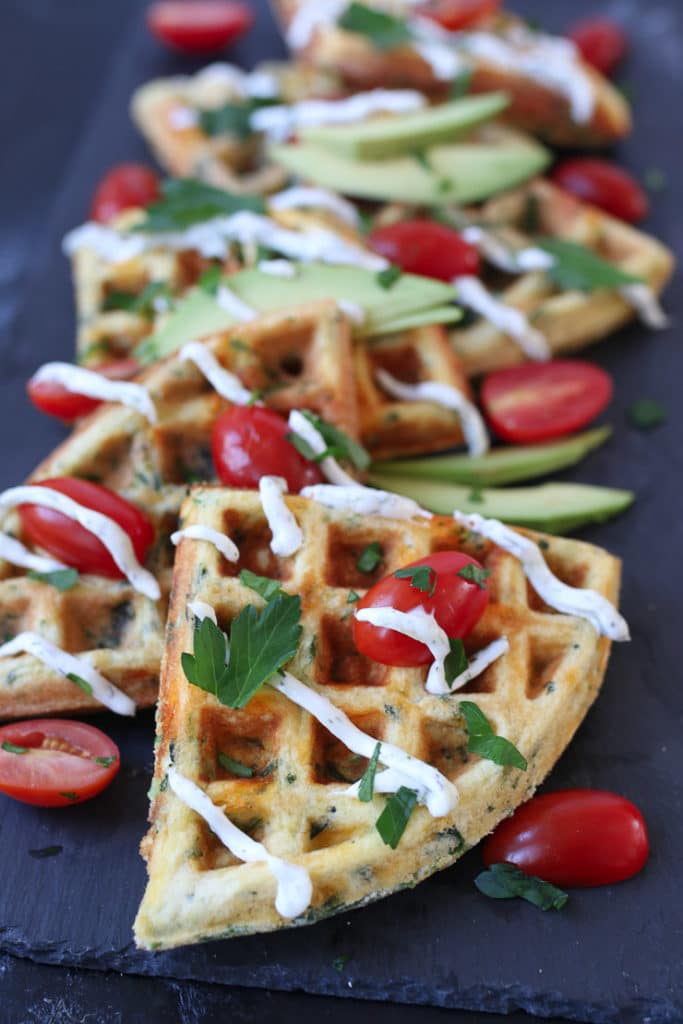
[198, 26]
[604, 185]
[251, 442]
[457, 14]
[70, 542]
[601, 43]
[427, 248]
[457, 605]
[55, 400]
[123, 187]
[577, 837]
[59, 766]
[541, 401]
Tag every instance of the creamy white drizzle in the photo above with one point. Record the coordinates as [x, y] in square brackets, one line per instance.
[353, 310]
[472, 293]
[421, 626]
[14, 552]
[232, 304]
[302, 198]
[109, 533]
[259, 84]
[481, 660]
[182, 118]
[298, 424]
[202, 610]
[279, 122]
[277, 268]
[287, 536]
[512, 261]
[95, 385]
[309, 16]
[220, 541]
[366, 501]
[221, 380]
[67, 664]
[294, 886]
[646, 304]
[473, 427]
[584, 603]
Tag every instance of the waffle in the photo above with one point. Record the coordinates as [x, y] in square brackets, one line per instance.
[299, 359]
[536, 696]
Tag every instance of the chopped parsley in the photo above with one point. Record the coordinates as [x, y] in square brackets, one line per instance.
[382, 30]
[185, 202]
[210, 280]
[263, 585]
[576, 267]
[473, 574]
[388, 277]
[339, 963]
[460, 85]
[352, 597]
[367, 783]
[335, 438]
[46, 851]
[422, 578]
[455, 661]
[646, 413]
[104, 762]
[655, 179]
[370, 557]
[236, 767]
[483, 741]
[507, 882]
[62, 579]
[12, 748]
[143, 303]
[70, 795]
[393, 820]
[80, 681]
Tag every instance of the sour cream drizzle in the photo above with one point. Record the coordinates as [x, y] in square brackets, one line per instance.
[220, 541]
[646, 304]
[298, 424]
[202, 610]
[473, 427]
[500, 255]
[259, 84]
[95, 385]
[232, 304]
[421, 626]
[14, 552]
[279, 122]
[109, 533]
[277, 268]
[221, 380]
[584, 603]
[294, 886]
[481, 660]
[301, 198]
[472, 293]
[366, 501]
[67, 664]
[287, 536]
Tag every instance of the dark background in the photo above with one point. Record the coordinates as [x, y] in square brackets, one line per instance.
[68, 69]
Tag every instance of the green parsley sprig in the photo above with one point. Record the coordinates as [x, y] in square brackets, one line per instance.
[185, 202]
[576, 267]
[384, 31]
[62, 579]
[507, 882]
[422, 578]
[483, 741]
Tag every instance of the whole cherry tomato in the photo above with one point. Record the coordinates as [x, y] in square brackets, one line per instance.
[55, 400]
[427, 248]
[457, 605]
[52, 762]
[579, 837]
[600, 42]
[70, 542]
[198, 26]
[251, 442]
[604, 185]
[123, 187]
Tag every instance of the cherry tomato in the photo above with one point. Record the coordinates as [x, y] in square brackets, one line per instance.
[604, 185]
[427, 248]
[54, 399]
[457, 14]
[251, 442]
[70, 542]
[600, 42]
[457, 605]
[56, 762]
[123, 187]
[575, 837]
[198, 26]
[539, 401]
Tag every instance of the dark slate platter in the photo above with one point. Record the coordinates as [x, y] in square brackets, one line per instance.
[615, 953]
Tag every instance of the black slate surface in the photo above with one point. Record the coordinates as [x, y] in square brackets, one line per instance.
[615, 953]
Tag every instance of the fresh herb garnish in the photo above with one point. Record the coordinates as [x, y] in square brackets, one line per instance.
[337, 439]
[104, 762]
[80, 681]
[236, 767]
[186, 202]
[62, 579]
[12, 748]
[420, 156]
[575, 266]
[46, 851]
[646, 413]
[370, 557]
[655, 179]
[230, 119]
[340, 962]
[352, 597]
[392, 822]
[506, 882]
[383, 30]
[422, 578]
[530, 220]
[473, 574]
[70, 795]
[455, 661]
[388, 277]
[367, 783]
[210, 280]
[484, 742]
[142, 303]
[460, 85]
[263, 585]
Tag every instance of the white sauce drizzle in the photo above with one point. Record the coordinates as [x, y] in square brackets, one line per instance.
[513, 261]
[202, 610]
[584, 603]
[287, 536]
[221, 380]
[646, 305]
[301, 198]
[277, 268]
[298, 424]
[67, 664]
[95, 385]
[421, 626]
[353, 310]
[259, 84]
[310, 16]
[473, 427]
[367, 501]
[182, 118]
[481, 660]
[219, 540]
[279, 122]
[14, 552]
[472, 293]
[294, 886]
[109, 533]
[232, 304]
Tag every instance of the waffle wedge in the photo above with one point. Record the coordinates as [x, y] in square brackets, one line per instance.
[117, 629]
[294, 802]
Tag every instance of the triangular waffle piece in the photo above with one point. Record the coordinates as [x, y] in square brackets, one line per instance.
[299, 359]
[536, 696]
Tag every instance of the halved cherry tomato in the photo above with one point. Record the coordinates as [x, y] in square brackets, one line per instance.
[604, 185]
[601, 43]
[457, 604]
[457, 14]
[70, 542]
[579, 837]
[539, 401]
[54, 399]
[52, 762]
[198, 26]
[251, 442]
[427, 248]
[123, 187]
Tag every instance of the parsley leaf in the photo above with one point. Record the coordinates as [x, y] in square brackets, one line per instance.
[79, 681]
[236, 767]
[339, 963]
[655, 179]
[230, 119]
[70, 795]
[473, 574]
[456, 661]
[336, 439]
[206, 667]
[483, 741]
[388, 277]
[575, 266]
[460, 85]
[259, 646]
[367, 783]
[352, 597]
[422, 577]
[392, 822]
[142, 303]
[62, 579]
[104, 762]
[646, 413]
[370, 557]
[186, 201]
[210, 280]
[383, 30]
[12, 748]
[46, 851]
[506, 881]
[263, 585]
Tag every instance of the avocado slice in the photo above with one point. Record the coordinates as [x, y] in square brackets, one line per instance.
[383, 137]
[553, 508]
[463, 172]
[501, 465]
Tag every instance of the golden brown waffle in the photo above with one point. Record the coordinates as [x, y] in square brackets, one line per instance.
[536, 696]
[299, 359]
